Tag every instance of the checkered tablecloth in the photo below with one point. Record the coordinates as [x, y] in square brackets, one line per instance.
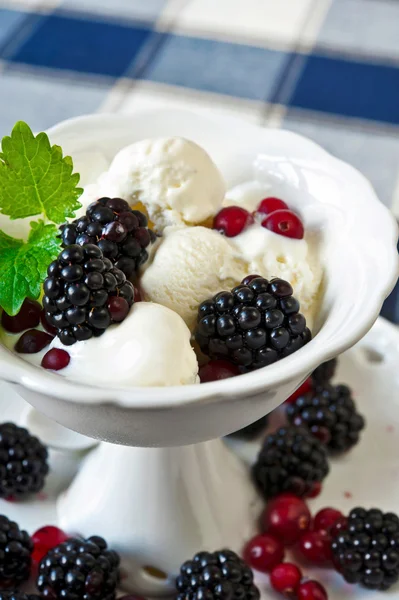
[328, 69]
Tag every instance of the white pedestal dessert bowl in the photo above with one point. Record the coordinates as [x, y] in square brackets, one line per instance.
[154, 489]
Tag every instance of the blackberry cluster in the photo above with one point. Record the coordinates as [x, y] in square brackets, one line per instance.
[254, 325]
[367, 552]
[290, 460]
[7, 595]
[329, 412]
[78, 293]
[79, 569]
[216, 575]
[120, 232]
[23, 462]
[253, 430]
[16, 549]
[325, 371]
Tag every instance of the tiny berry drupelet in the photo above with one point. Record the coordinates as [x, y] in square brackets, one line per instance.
[79, 569]
[285, 579]
[263, 552]
[290, 460]
[286, 517]
[329, 412]
[220, 574]
[311, 590]
[23, 462]
[78, 292]
[232, 220]
[284, 222]
[15, 554]
[254, 325]
[367, 551]
[27, 318]
[120, 232]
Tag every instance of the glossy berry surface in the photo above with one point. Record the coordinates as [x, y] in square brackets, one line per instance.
[311, 590]
[286, 223]
[232, 221]
[44, 540]
[263, 552]
[286, 517]
[27, 318]
[56, 359]
[216, 370]
[305, 388]
[79, 569]
[315, 547]
[270, 205]
[326, 518]
[33, 341]
[118, 308]
[290, 460]
[120, 232]
[254, 325]
[15, 554]
[285, 579]
[367, 551]
[46, 325]
[222, 574]
[23, 462]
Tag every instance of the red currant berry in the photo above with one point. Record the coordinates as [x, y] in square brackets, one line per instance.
[326, 518]
[118, 308]
[315, 490]
[44, 540]
[269, 205]
[264, 552]
[340, 525]
[56, 359]
[315, 547]
[284, 222]
[301, 391]
[232, 220]
[33, 341]
[311, 590]
[27, 318]
[285, 578]
[287, 517]
[216, 370]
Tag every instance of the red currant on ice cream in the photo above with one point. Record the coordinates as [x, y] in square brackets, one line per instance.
[264, 552]
[269, 205]
[311, 590]
[284, 222]
[285, 578]
[326, 518]
[232, 220]
[56, 359]
[216, 370]
[27, 318]
[315, 547]
[287, 517]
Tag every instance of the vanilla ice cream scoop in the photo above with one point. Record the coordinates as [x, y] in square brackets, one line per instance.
[190, 265]
[151, 347]
[174, 178]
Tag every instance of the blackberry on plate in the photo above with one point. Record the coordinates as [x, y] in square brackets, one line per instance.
[290, 460]
[120, 232]
[254, 325]
[329, 412]
[16, 549]
[253, 430]
[216, 575]
[15, 595]
[84, 294]
[79, 570]
[367, 551]
[325, 371]
[23, 462]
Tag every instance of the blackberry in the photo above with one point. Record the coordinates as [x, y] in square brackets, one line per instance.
[79, 570]
[325, 371]
[367, 551]
[290, 460]
[253, 430]
[254, 325]
[7, 595]
[329, 412]
[216, 575]
[78, 293]
[16, 549]
[120, 232]
[23, 462]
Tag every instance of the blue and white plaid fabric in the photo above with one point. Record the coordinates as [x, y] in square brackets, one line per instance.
[328, 69]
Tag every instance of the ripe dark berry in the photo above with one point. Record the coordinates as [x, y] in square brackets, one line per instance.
[15, 554]
[120, 232]
[285, 579]
[23, 462]
[220, 574]
[79, 569]
[329, 413]
[32, 341]
[80, 307]
[263, 552]
[56, 359]
[311, 590]
[232, 221]
[325, 371]
[270, 205]
[286, 223]
[27, 318]
[287, 517]
[291, 460]
[367, 551]
[250, 326]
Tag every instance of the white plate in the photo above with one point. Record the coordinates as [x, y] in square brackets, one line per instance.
[367, 476]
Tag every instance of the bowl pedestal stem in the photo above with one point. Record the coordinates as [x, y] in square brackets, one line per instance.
[159, 506]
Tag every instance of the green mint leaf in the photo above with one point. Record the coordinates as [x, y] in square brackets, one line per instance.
[35, 179]
[23, 265]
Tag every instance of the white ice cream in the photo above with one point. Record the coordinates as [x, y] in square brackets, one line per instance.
[151, 347]
[174, 178]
